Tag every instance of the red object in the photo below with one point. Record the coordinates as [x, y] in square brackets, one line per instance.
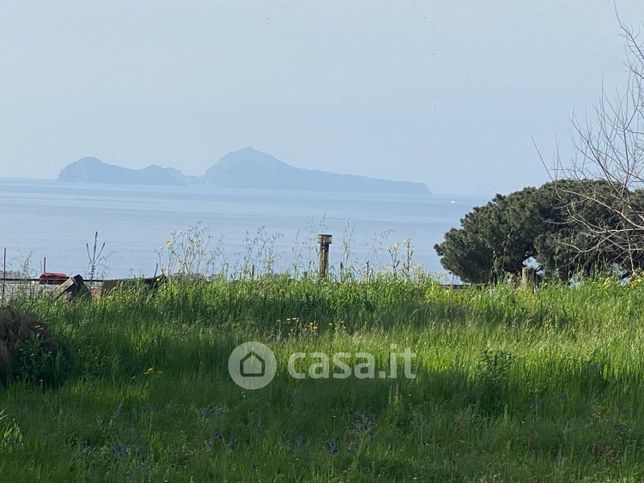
[49, 278]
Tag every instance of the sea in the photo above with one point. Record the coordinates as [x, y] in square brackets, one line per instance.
[50, 225]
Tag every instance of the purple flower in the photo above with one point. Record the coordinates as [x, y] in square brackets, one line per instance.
[332, 448]
[362, 422]
[120, 449]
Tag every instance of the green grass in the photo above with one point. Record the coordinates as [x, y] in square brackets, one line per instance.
[511, 386]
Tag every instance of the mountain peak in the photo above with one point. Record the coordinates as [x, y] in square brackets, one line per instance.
[248, 150]
[247, 159]
[90, 160]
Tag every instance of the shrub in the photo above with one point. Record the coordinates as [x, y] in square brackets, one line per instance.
[28, 349]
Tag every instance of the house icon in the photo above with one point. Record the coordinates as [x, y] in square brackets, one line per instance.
[252, 365]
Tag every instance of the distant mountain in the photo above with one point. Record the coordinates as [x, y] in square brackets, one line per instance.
[246, 168]
[249, 168]
[92, 170]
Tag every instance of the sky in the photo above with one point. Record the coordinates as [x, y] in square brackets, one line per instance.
[450, 94]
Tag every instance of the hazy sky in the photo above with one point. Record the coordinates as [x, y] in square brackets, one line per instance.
[447, 93]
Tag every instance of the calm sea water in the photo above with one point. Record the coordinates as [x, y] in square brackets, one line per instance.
[56, 220]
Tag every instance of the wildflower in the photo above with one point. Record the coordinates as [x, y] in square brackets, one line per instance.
[362, 423]
[332, 448]
[121, 449]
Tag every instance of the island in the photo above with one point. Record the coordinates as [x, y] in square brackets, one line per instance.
[245, 168]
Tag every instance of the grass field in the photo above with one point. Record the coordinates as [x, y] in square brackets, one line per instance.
[510, 386]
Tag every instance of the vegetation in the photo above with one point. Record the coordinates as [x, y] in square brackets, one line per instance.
[538, 225]
[511, 385]
[28, 350]
[608, 147]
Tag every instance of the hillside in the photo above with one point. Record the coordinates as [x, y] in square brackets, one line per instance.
[92, 170]
[249, 168]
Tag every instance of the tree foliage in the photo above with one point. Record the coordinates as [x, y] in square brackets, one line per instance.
[534, 224]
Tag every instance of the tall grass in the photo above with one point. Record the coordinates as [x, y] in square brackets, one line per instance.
[511, 385]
